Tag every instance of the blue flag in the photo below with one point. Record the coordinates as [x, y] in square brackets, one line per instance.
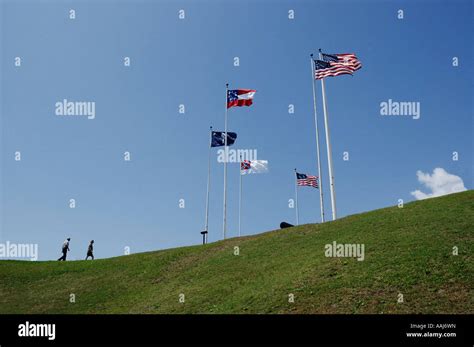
[218, 138]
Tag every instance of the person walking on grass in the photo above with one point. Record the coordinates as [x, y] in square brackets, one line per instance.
[90, 250]
[65, 249]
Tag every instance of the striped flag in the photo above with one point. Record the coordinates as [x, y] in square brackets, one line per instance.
[335, 65]
[306, 180]
[240, 97]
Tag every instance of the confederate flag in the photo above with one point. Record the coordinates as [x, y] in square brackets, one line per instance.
[240, 97]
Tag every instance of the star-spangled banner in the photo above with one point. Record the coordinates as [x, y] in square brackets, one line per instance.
[335, 65]
[306, 180]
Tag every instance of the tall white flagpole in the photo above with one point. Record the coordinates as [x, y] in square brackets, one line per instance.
[321, 200]
[296, 197]
[328, 144]
[226, 152]
[240, 194]
[206, 224]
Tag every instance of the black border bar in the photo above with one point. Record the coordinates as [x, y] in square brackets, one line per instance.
[238, 329]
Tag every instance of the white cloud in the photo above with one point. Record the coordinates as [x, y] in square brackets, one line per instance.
[440, 183]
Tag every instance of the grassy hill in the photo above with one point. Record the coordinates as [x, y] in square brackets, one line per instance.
[407, 250]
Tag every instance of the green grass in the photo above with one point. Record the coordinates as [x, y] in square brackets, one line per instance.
[407, 250]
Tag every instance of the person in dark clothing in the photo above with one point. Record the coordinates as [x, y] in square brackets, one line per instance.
[90, 250]
[65, 249]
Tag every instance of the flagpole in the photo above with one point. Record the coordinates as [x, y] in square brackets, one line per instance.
[328, 144]
[321, 201]
[240, 194]
[296, 196]
[206, 225]
[224, 226]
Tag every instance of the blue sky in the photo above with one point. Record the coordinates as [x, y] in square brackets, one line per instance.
[174, 61]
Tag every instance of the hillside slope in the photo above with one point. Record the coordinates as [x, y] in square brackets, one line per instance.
[407, 251]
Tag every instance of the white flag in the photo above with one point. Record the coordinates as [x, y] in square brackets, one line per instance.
[253, 166]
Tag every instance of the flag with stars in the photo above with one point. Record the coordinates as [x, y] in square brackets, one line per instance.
[336, 64]
[306, 180]
[240, 97]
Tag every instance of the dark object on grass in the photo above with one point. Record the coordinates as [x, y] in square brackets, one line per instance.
[284, 225]
[204, 237]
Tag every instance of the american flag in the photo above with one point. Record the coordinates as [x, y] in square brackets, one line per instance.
[335, 65]
[306, 180]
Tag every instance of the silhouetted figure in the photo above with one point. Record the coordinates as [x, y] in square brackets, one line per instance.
[65, 249]
[284, 225]
[90, 250]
